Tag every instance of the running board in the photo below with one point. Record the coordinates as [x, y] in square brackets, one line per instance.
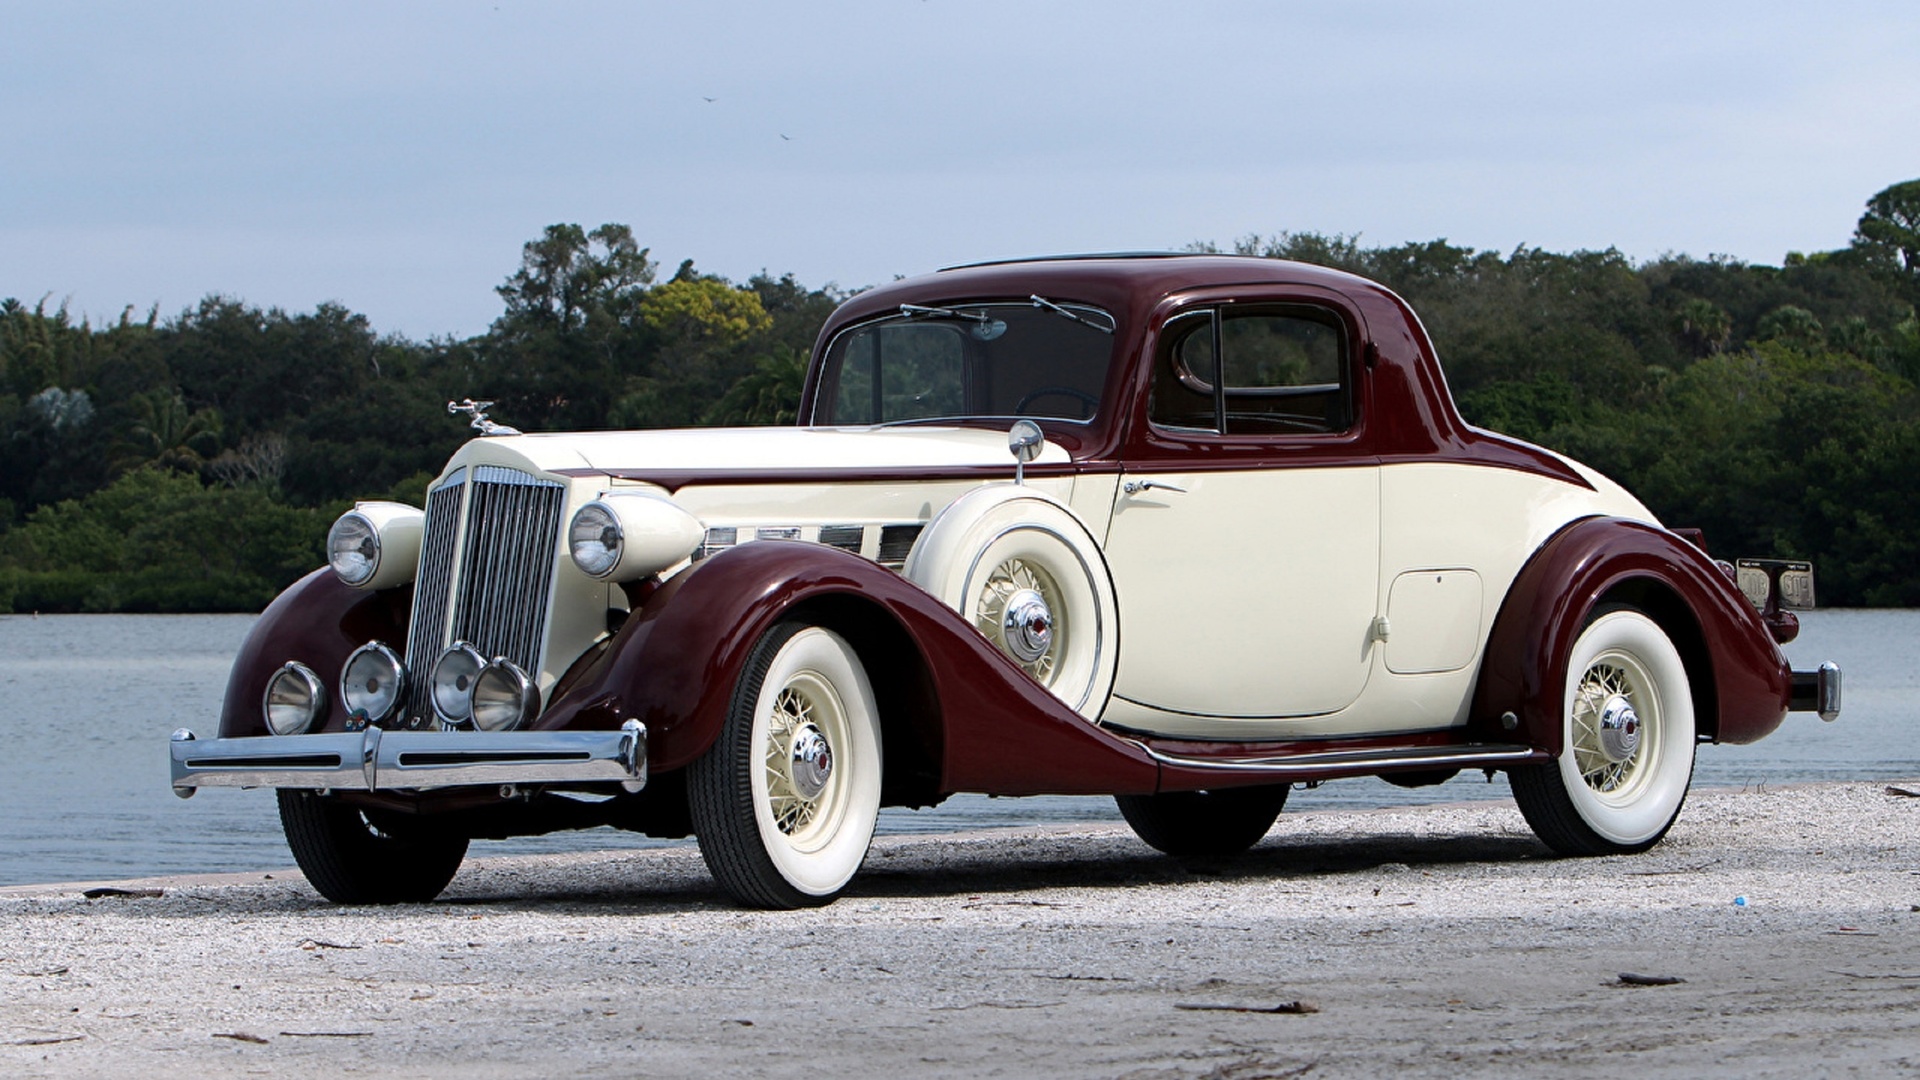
[1332, 764]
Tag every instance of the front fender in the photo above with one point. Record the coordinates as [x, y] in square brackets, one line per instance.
[1741, 683]
[984, 725]
[319, 621]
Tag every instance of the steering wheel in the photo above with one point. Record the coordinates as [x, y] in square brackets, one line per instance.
[1092, 403]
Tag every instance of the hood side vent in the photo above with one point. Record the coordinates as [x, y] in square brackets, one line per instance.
[844, 537]
[895, 542]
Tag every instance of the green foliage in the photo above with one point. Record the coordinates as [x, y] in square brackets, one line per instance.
[705, 310]
[156, 540]
[769, 395]
[1889, 232]
[194, 463]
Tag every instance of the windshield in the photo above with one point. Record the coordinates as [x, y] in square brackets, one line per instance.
[1039, 357]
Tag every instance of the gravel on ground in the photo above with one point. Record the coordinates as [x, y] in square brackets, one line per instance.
[1773, 933]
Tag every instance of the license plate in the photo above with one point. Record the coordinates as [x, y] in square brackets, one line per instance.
[1755, 577]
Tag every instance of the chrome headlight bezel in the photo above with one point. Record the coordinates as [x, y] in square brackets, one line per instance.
[294, 701]
[378, 663]
[595, 540]
[627, 535]
[376, 545]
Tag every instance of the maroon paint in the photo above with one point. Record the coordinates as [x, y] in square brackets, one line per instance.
[318, 621]
[675, 663]
[1404, 410]
[1741, 683]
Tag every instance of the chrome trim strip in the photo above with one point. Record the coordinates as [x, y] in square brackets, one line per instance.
[376, 760]
[1362, 761]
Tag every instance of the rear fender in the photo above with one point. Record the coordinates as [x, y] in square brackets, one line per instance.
[1741, 683]
[957, 715]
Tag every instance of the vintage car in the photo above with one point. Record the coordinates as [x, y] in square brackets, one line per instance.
[1183, 530]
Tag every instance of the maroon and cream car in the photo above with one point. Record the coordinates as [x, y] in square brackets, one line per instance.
[1183, 530]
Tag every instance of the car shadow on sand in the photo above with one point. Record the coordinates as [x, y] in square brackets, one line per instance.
[931, 869]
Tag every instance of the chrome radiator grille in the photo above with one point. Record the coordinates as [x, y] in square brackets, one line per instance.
[486, 573]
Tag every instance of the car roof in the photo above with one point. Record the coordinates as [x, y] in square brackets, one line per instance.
[1125, 283]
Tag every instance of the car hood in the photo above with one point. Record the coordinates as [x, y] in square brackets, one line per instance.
[682, 455]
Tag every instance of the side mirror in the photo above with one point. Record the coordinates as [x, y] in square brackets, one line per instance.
[1025, 440]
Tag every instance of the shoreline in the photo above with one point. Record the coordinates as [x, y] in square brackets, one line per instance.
[1431, 941]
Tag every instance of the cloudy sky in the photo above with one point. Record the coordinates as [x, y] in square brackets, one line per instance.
[395, 157]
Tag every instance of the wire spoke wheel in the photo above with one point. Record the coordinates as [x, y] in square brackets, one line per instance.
[1024, 571]
[804, 795]
[1627, 755]
[785, 801]
[1016, 596]
[1611, 753]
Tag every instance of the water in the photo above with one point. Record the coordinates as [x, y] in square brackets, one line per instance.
[86, 702]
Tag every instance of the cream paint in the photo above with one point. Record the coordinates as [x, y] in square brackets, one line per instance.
[760, 450]
[1208, 648]
[576, 614]
[1444, 518]
[1433, 621]
[1247, 594]
[577, 606]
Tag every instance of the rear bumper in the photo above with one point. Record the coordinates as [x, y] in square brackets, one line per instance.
[377, 760]
[1818, 691]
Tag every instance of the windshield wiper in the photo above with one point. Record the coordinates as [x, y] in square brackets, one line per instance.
[943, 313]
[1043, 302]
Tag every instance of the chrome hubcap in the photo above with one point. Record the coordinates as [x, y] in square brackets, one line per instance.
[1607, 728]
[1013, 612]
[811, 762]
[1619, 729]
[1028, 626]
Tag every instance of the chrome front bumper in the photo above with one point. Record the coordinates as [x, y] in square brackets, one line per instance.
[377, 760]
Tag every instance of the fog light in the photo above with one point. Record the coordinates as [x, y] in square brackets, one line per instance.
[453, 677]
[504, 698]
[372, 682]
[295, 700]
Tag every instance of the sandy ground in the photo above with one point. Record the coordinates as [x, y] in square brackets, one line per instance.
[1430, 942]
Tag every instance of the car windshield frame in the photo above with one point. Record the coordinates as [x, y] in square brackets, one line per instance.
[962, 362]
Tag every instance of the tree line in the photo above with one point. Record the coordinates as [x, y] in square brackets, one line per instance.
[193, 463]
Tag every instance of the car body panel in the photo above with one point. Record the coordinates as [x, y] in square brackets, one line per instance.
[1394, 595]
[1220, 566]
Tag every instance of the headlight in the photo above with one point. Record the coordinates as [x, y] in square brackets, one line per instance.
[504, 698]
[626, 536]
[595, 540]
[453, 678]
[375, 545]
[372, 682]
[295, 701]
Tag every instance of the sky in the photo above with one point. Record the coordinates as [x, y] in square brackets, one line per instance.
[394, 158]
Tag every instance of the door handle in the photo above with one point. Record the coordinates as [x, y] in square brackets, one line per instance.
[1135, 487]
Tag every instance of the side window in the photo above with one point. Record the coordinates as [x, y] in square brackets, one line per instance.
[1285, 372]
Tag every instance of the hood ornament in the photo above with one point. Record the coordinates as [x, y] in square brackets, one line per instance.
[478, 411]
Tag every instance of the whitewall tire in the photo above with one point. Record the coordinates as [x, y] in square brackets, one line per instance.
[1031, 578]
[784, 803]
[1628, 731]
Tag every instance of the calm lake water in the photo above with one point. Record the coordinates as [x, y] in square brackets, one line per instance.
[88, 702]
